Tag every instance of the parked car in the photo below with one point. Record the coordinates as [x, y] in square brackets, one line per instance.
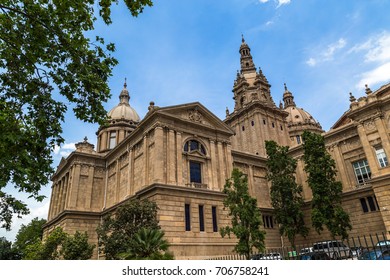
[356, 251]
[383, 243]
[268, 256]
[314, 256]
[378, 253]
[306, 250]
[335, 249]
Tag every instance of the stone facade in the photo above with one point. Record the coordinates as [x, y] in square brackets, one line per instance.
[180, 157]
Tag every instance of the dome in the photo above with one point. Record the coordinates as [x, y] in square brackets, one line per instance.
[298, 116]
[123, 111]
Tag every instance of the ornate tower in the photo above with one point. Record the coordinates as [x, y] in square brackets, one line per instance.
[122, 120]
[255, 118]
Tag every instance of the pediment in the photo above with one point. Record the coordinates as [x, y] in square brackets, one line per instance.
[196, 114]
[343, 120]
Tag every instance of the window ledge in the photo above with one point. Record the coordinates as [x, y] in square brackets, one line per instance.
[197, 185]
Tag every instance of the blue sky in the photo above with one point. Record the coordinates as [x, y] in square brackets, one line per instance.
[183, 51]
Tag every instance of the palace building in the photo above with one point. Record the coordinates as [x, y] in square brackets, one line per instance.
[180, 157]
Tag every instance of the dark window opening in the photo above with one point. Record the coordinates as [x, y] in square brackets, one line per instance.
[273, 125]
[195, 172]
[193, 145]
[253, 123]
[201, 218]
[264, 122]
[214, 217]
[364, 205]
[187, 217]
[371, 203]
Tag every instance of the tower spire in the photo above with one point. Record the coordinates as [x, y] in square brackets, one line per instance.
[124, 97]
[246, 60]
[288, 97]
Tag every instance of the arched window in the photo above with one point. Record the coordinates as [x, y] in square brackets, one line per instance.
[194, 146]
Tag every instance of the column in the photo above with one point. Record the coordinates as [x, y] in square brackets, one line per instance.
[130, 175]
[179, 159]
[221, 163]
[214, 161]
[146, 160]
[73, 192]
[159, 162]
[171, 164]
[89, 187]
[368, 150]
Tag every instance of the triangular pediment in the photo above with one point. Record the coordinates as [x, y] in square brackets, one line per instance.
[343, 120]
[196, 114]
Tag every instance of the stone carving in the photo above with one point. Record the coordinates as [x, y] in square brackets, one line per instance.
[369, 125]
[195, 116]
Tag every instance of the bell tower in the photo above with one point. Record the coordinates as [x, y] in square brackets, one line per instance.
[255, 117]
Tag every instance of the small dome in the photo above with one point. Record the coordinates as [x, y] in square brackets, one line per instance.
[298, 116]
[123, 111]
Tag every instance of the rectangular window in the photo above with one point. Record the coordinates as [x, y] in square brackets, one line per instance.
[201, 218]
[362, 171]
[268, 221]
[112, 142]
[195, 172]
[298, 139]
[371, 203]
[214, 217]
[381, 156]
[364, 205]
[187, 216]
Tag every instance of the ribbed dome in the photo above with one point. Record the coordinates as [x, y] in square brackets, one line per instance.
[299, 116]
[123, 110]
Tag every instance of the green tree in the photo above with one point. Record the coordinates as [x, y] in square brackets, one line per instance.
[47, 63]
[118, 228]
[148, 244]
[7, 251]
[327, 192]
[29, 234]
[245, 215]
[60, 245]
[286, 194]
[76, 247]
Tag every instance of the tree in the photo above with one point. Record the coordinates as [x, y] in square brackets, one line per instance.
[76, 247]
[148, 244]
[7, 251]
[245, 216]
[29, 234]
[326, 202]
[118, 228]
[60, 245]
[47, 63]
[286, 194]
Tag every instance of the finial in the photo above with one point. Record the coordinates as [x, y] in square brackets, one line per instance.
[285, 87]
[280, 104]
[242, 38]
[125, 84]
[85, 139]
[368, 90]
[351, 97]
[227, 111]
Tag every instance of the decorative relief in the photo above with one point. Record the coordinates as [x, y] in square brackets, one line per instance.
[84, 170]
[195, 116]
[369, 125]
[353, 144]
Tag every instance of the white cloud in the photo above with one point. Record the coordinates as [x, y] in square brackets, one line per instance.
[327, 53]
[283, 2]
[279, 2]
[65, 150]
[377, 75]
[311, 62]
[376, 53]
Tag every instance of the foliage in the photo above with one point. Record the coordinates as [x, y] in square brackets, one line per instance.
[60, 245]
[47, 63]
[117, 229]
[286, 194]
[148, 244]
[76, 247]
[245, 216]
[326, 202]
[7, 251]
[29, 234]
